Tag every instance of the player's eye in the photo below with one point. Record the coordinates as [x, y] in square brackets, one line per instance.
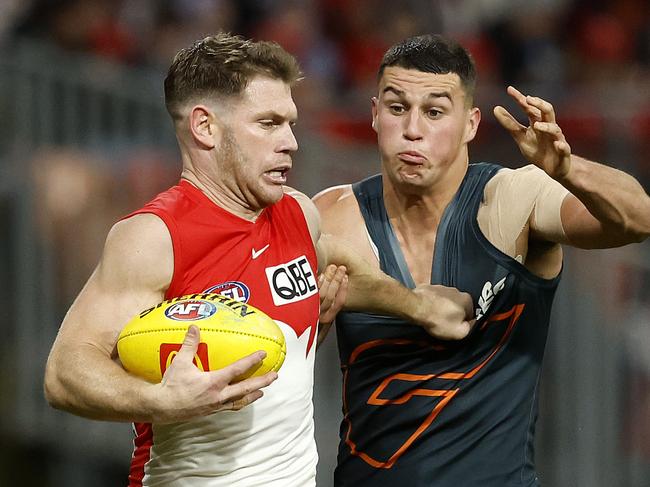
[433, 113]
[267, 124]
[396, 109]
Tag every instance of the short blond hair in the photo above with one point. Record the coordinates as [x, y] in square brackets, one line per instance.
[222, 65]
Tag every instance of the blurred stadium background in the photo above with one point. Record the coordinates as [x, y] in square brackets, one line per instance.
[84, 138]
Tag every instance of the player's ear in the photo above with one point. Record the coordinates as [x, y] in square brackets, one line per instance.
[473, 121]
[373, 100]
[204, 126]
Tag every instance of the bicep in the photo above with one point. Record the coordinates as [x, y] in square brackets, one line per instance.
[133, 274]
[582, 229]
[338, 251]
[560, 217]
[342, 225]
[544, 199]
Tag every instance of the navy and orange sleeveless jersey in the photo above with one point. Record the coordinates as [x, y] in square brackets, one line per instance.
[271, 264]
[424, 412]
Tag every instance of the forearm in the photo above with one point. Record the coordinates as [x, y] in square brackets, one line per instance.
[443, 312]
[88, 383]
[368, 288]
[377, 293]
[614, 198]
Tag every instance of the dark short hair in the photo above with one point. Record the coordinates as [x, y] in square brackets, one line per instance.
[433, 53]
[222, 65]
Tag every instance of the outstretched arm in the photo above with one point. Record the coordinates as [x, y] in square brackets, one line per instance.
[83, 375]
[606, 207]
[445, 313]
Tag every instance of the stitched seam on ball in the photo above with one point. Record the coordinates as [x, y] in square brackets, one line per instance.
[280, 358]
[205, 329]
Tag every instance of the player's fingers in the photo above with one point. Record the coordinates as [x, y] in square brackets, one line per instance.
[331, 286]
[241, 402]
[331, 307]
[326, 276]
[517, 95]
[325, 280]
[466, 327]
[467, 304]
[340, 274]
[462, 329]
[190, 344]
[326, 283]
[342, 294]
[509, 122]
[546, 110]
[454, 330]
[550, 128]
[339, 287]
[246, 400]
[533, 112]
[240, 367]
[247, 386]
[563, 147]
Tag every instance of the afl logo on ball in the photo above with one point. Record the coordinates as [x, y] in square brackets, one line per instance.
[190, 310]
[233, 289]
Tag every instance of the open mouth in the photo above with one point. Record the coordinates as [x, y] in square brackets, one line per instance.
[277, 176]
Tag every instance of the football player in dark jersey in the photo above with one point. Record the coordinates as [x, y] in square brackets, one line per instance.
[423, 412]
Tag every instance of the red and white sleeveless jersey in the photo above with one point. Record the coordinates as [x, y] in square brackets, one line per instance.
[271, 264]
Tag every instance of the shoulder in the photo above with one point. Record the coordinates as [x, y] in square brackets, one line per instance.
[139, 248]
[341, 217]
[527, 182]
[309, 210]
[335, 197]
[338, 208]
[520, 175]
[138, 231]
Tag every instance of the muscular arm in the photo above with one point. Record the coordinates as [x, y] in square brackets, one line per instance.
[443, 312]
[369, 289]
[606, 207]
[83, 375]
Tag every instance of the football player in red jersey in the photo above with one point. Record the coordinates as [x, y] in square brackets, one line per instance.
[231, 219]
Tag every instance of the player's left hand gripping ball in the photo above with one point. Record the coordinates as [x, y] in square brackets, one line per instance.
[230, 330]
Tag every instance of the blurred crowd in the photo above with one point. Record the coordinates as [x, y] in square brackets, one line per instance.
[96, 151]
[563, 49]
[590, 58]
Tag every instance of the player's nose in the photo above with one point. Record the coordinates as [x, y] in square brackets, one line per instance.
[412, 129]
[289, 142]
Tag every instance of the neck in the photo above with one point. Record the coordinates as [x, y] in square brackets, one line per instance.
[421, 207]
[218, 191]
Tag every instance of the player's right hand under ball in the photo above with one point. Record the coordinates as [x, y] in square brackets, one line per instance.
[187, 392]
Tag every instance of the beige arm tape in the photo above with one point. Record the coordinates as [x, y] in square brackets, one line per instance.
[512, 199]
[546, 219]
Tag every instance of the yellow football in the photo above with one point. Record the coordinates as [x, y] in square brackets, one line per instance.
[230, 330]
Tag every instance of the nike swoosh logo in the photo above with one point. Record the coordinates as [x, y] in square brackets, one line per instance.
[257, 253]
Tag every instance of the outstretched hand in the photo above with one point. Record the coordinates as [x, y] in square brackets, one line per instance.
[445, 312]
[187, 392]
[542, 142]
